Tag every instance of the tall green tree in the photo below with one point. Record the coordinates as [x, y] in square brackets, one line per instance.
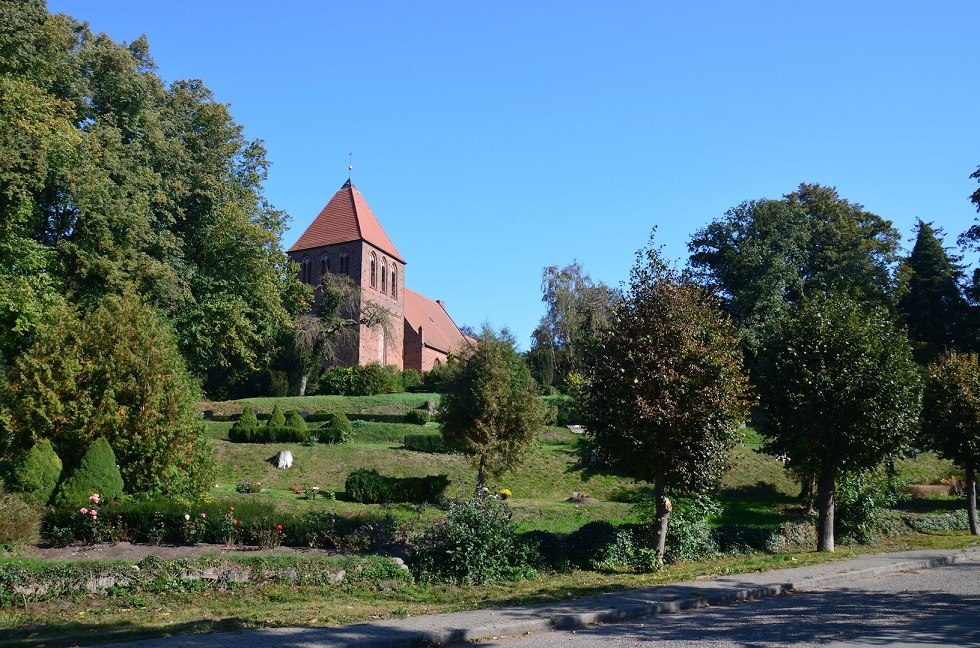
[490, 408]
[112, 372]
[951, 418]
[840, 393]
[765, 256]
[576, 307]
[666, 394]
[932, 304]
[112, 182]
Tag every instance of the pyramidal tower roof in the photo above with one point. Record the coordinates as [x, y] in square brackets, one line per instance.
[345, 219]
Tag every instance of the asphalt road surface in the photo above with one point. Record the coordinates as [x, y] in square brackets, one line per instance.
[931, 607]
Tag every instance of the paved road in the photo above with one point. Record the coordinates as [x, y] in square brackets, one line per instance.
[930, 607]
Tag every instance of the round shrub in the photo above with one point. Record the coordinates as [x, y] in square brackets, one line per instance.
[96, 473]
[36, 474]
[411, 379]
[475, 546]
[337, 429]
[589, 546]
[417, 417]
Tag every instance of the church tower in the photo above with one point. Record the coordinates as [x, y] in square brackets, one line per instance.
[346, 238]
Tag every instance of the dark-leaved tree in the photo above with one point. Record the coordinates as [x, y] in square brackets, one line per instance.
[490, 408]
[666, 392]
[951, 418]
[932, 304]
[840, 393]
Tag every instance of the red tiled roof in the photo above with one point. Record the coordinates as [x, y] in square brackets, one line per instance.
[438, 329]
[346, 218]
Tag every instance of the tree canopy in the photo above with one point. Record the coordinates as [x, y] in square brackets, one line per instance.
[666, 393]
[113, 182]
[766, 255]
[840, 392]
[576, 308]
[931, 303]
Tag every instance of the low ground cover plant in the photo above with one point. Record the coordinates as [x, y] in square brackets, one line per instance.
[371, 487]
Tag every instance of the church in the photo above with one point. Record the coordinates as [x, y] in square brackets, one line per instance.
[347, 238]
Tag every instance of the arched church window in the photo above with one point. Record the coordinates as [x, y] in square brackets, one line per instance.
[384, 277]
[344, 262]
[394, 281]
[374, 271]
[324, 264]
[306, 270]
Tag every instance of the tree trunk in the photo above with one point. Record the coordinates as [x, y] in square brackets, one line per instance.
[664, 508]
[825, 503]
[971, 498]
[481, 479]
[303, 379]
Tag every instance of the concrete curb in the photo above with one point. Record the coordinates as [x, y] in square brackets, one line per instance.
[460, 627]
[623, 613]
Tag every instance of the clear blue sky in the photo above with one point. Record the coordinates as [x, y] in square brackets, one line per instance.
[495, 138]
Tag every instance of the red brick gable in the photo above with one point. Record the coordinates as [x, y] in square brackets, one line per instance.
[346, 218]
[438, 329]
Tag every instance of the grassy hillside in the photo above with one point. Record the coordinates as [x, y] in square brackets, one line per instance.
[756, 490]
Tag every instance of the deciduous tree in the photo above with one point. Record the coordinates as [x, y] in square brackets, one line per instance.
[667, 394]
[951, 418]
[840, 393]
[490, 408]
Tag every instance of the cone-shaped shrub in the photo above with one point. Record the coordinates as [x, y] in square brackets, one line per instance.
[295, 421]
[36, 474]
[244, 428]
[336, 430]
[248, 418]
[97, 473]
[276, 418]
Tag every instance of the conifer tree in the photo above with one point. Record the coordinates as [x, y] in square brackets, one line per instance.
[932, 304]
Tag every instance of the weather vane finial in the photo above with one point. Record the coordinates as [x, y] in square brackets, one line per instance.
[350, 166]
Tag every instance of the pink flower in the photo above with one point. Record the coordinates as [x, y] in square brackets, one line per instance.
[95, 498]
[93, 512]
[203, 515]
[278, 527]
[83, 511]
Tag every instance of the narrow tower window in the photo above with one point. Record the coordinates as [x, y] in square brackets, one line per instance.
[394, 281]
[324, 264]
[374, 271]
[344, 263]
[384, 277]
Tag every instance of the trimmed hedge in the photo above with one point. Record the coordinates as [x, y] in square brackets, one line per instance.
[268, 434]
[425, 443]
[417, 416]
[371, 487]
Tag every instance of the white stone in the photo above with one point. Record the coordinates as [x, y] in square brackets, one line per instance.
[284, 459]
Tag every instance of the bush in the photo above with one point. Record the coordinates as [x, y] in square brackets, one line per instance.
[417, 417]
[545, 551]
[20, 522]
[362, 380]
[411, 379]
[860, 500]
[476, 545]
[689, 537]
[36, 474]
[96, 473]
[337, 429]
[113, 372]
[953, 521]
[590, 546]
[425, 443]
[371, 487]
[319, 416]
